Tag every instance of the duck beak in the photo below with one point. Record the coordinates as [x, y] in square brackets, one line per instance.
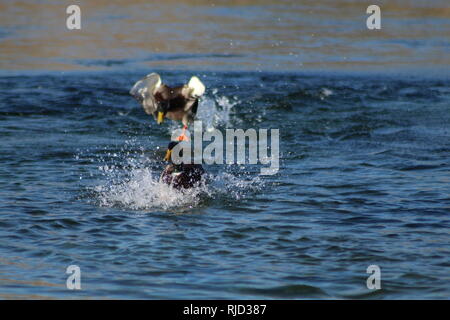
[160, 117]
[168, 155]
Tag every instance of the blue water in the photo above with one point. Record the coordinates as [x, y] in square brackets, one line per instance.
[364, 179]
[364, 173]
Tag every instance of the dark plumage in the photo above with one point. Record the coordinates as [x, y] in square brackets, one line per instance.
[181, 176]
[179, 103]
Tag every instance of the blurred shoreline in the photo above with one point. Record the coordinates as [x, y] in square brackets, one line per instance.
[254, 36]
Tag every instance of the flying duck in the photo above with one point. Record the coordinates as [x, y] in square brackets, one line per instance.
[178, 103]
[181, 176]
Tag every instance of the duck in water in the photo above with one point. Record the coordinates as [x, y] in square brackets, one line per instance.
[178, 103]
[183, 175]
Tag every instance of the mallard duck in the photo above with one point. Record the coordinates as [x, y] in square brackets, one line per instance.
[181, 175]
[178, 103]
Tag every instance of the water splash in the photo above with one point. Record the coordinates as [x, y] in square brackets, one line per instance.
[324, 93]
[139, 188]
[214, 111]
[217, 110]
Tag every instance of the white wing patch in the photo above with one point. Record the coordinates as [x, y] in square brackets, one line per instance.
[197, 87]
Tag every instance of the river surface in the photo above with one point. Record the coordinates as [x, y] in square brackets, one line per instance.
[364, 173]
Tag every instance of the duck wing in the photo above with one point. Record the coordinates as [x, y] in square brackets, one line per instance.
[144, 91]
[189, 94]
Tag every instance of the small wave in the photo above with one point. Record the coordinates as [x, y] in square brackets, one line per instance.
[325, 93]
[287, 291]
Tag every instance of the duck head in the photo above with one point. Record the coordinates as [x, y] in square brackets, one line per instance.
[161, 110]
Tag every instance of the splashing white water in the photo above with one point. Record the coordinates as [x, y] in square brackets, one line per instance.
[140, 189]
[324, 93]
[143, 190]
[213, 111]
[216, 111]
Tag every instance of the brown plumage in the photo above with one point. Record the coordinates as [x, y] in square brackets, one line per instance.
[178, 103]
[181, 176]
